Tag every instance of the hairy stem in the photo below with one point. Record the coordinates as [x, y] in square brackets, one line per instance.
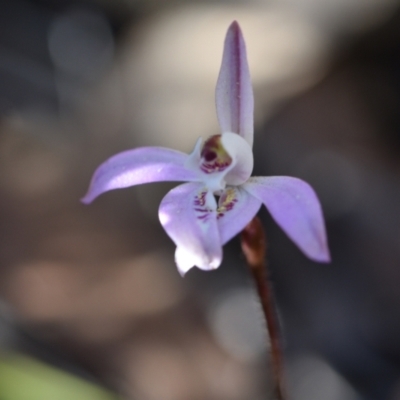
[254, 246]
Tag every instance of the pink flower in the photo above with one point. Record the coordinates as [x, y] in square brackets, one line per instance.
[221, 197]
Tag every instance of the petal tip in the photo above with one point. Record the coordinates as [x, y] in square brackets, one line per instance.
[183, 261]
[182, 273]
[234, 26]
[322, 256]
[325, 258]
[214, 264]
[87, 198]
[235, 35]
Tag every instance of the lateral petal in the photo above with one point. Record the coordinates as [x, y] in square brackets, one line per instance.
[236, 208]
[234, 93]
[295, 207]
[188, 215]
[137, 166]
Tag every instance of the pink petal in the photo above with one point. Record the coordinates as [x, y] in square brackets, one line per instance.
[236, 209]
[188, 215]
[294, 206]
[234, 94]
[137, 166]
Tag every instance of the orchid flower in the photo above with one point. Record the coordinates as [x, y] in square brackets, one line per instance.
[220, 197]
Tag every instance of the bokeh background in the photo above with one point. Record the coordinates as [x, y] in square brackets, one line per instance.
[92, 306]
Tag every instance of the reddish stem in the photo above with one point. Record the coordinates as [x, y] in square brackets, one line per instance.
[254, 248]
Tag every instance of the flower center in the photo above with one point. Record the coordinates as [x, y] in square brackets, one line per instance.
[214, 157]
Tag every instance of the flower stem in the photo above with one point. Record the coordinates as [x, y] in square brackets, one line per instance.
[253, 242]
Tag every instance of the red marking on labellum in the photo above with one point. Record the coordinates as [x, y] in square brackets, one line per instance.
[200, 206]
[214, 157]
[200, 199]
[210, 155]
[227, 202]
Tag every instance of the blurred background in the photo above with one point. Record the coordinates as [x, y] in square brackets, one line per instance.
[92, 306]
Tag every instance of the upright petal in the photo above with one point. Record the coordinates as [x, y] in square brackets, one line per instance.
[137, 166]
[236, 208]
[188, 215]
[234, 94]
[294, 206]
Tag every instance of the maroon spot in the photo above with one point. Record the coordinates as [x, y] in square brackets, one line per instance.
[209, 155]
